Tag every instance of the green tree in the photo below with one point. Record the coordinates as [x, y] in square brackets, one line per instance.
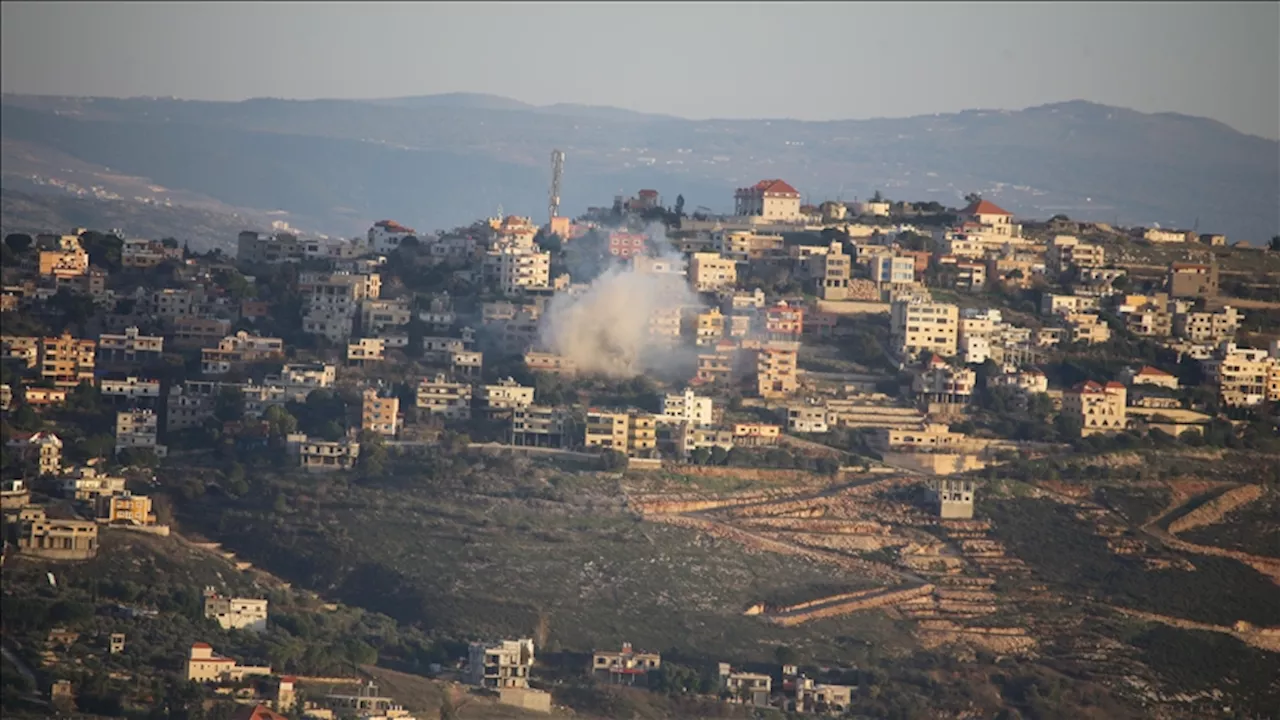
[19, 243]
[1275, 243]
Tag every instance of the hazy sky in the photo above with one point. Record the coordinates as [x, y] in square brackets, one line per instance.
[804, 60]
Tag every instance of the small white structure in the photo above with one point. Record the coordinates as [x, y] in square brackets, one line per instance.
[236, 613]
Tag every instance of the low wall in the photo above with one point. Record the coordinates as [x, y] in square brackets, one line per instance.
[526, 698]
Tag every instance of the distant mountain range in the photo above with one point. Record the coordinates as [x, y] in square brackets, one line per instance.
[336, 166]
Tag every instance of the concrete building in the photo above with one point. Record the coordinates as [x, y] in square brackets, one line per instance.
[24, 349]
[746, 245]
[953, 499]
[633, 433]
[377, 316]
[367, 703]
[124, 509]
[710, 271]
[1147, 375]
[624, 667]
[1098, 408]
[255, 249]
[198, 332]
[56, 538]
[769, 199]
[1245, 377]
[776, 367]
[439, 396]
[88, 484]
[549, 363]
[380, 413]
[541, 426]
[1193, 280]
[807, 418]
[139, 429]
[514, 270]
[204, 666]
[130, 347]
[505, 396]
[67, 361]
[42, 450]
[235, 613]
[893, 272]
[235, 351]
[687, 406]
[992, 219]
[386, 235]
[324, 455]
[1208, 327]
[830, 272]
[130, 388]
[1066, 251]
[916, 325]
[745, 687]
[708, 327]
[366, 350]
[938, 382]
[1158, 236]
[504, 664]
[1051, 304]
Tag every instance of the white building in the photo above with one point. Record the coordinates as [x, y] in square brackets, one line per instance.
[233, 613]
[916, 325]
[769, 199]
[441, 397]
[138, 429]
[130, 388]
[687, 406]
[386, 235]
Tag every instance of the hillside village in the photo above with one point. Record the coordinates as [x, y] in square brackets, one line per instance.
[912, 352]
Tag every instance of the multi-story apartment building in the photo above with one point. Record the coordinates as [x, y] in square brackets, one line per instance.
[43, 450]
[378, 315]
[1051, 304]
[688, 407]
[124, 509]
[1245, 377]
[830, 272]
[1193, 280]
[67, 361]
[970, 276]
[130, 347]
[198, 332]
[940, 383]
[143, 254]
[769, 199]
[916, 325]
[1087, 328]
[21, 348]
[784, 322]
[541, 426]
[380, 413]
[1098, 408]
[709, 271]
[439, 396]
[255, 249]
[310, 376]
[746, 245]
[366, 350]
[1208, 327]
[505, 396]
[807, 418]
[175, 302]
[1066, 252]
[504, 664]
[61, 256]
[708, 327]
[775, 366]
[549, 363]
[87, 484]
[138, 429]
[893, 271]
[630, 432]
[190, 404]
[514, 270]
[237, 350]
[131, 388]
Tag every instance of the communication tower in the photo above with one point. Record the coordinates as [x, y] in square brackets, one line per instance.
[557, 171]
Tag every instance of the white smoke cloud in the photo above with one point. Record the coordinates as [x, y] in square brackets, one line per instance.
[605, 330]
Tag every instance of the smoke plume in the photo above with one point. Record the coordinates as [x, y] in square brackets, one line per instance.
[606, 328]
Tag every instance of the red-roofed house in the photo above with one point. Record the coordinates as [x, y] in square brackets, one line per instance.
[769, 199]
[257, 712]
[993, 219]
[1148, 375]
[1098, 408]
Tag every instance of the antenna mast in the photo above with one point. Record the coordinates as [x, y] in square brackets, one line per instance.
[557, 172]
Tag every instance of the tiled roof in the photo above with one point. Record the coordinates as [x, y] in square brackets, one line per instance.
[773, 187]
[1148, 370]
[984, 207]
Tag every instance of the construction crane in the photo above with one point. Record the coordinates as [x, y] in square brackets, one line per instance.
[557, 171]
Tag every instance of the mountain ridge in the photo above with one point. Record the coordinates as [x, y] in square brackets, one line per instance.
[438, 162]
